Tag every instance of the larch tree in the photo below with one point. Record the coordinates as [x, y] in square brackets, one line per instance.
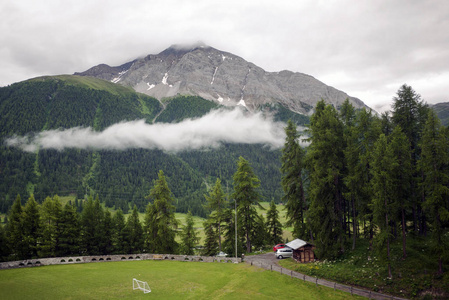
[325, 161]
[352, 178]
[368, 129]
[402, 174]
[410, 112]
[292, 181]
[217, 204]
[384, 205]
[50, 218]
[434, 167]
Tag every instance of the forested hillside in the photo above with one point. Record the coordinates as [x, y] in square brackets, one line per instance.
[442, 110]
[121, 178]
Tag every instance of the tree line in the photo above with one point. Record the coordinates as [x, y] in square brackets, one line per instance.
[120, 178]
[381, 178]
[51, 230]
[362, 175]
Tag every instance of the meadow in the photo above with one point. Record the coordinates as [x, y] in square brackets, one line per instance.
[167, 280]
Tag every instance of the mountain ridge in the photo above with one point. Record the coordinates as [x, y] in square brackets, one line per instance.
[222, 77]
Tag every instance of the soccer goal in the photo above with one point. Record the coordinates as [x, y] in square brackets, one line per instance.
[141, 285]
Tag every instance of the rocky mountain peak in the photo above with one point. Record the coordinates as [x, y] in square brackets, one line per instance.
[219, 76]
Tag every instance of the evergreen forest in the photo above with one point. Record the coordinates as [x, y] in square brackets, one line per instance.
[362, 177]
[120, 178]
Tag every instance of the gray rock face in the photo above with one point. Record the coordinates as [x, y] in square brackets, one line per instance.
[221, 77]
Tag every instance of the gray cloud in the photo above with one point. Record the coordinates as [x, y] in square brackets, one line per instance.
[211, 130]
[365, 48]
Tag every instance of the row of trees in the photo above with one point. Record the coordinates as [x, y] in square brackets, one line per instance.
[363, 175]
[240, 213]
[51, 230]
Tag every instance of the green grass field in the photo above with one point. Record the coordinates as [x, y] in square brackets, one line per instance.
[167, 280]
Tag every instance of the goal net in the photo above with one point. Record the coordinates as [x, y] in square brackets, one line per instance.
[141, 285]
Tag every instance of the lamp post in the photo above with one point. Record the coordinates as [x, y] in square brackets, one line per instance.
[235, 229]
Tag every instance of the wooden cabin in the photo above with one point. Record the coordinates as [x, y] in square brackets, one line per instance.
[302, 251]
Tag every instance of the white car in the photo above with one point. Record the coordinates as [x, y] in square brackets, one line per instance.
[222, 254]
[284, 252]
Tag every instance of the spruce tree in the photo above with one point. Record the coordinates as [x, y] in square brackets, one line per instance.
[260, 234]
[91, 227]
[119, 242]
[210, 246]
[14, 229]
[229, 244]
[106, 230]
[31, 228]
[247, 197]
[134, 232]
[4, 247]
[273, 225]
[189, 238]
[69, 232]
[160, 221]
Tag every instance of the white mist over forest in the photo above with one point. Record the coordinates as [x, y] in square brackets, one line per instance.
[209, 131]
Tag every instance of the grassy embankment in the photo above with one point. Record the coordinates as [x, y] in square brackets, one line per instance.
[414, 277]
[167, 280]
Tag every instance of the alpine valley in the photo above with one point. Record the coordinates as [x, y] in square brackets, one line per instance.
[177, 84]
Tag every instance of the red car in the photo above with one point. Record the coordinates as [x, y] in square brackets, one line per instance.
[278, 246]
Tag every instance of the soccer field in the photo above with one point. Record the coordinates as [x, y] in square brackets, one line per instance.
[167, 280]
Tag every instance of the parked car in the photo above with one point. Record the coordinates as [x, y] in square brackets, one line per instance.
[284, 252]
[222, 254]
[278, 246]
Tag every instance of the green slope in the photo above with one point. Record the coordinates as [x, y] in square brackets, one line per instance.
[120, 178]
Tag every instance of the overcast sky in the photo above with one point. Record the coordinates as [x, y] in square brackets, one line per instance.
[367, 49]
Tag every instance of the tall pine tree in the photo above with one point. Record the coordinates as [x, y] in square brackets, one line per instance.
[274, 226]
[217, 204]
[189, 238]
[31, 228]
[247, 197]
[160, 221]
[434, 164]
[292, 181]
[14, 230]
[384, 205]
[325, 162]
[69, 232]
[134, 232]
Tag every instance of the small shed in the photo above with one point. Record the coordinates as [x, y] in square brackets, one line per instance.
[302, 251]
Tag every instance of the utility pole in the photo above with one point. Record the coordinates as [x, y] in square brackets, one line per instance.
[235, 200]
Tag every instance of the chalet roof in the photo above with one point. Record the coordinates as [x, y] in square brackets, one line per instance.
[296, 244]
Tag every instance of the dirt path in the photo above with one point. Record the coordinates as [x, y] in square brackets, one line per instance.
[268, 261]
